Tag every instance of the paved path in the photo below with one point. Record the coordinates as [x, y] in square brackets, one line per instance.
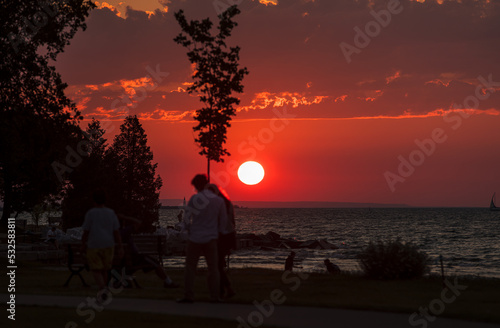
[248, 316]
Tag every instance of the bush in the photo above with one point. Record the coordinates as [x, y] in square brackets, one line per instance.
[393, 260]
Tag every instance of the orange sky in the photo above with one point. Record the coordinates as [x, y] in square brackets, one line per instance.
[349, 123]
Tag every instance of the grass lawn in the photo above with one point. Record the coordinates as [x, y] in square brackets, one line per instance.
[479, 301]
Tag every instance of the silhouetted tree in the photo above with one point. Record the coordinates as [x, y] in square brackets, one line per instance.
[137, 187]
[124, 170]
[37, 120]
[29, 144]
[95, 171]
[216, 77]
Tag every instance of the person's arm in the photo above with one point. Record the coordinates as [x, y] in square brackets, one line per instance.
[86, 228]
[85, 238]
[117, 236]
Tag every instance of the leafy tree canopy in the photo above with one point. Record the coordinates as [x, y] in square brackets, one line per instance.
[37, 120]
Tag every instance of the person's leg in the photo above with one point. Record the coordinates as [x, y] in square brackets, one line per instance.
[224, 279]
[96, 264]
[99, 278]
[221, 264]
[160, 273]
[192, 256]
[210, 253]
[107, 255]
[149, 262]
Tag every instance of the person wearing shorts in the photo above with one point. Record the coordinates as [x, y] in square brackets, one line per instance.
[100, 233]
[100, 258]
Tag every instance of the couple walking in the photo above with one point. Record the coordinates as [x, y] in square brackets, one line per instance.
[209, 221]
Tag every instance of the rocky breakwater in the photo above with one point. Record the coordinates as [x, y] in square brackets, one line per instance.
[272, 241]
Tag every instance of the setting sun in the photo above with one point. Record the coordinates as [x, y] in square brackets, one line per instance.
[251, 173]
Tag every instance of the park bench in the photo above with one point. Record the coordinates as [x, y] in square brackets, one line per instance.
[152, 245]
[77, 262]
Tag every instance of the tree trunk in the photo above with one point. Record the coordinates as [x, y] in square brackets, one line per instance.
[208, 169]
[208, 155]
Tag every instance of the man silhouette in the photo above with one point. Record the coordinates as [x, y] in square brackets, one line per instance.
[204, 218]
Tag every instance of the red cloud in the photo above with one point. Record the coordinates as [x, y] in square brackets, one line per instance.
[265, 99]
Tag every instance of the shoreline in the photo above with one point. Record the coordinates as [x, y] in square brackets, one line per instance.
[465, 238]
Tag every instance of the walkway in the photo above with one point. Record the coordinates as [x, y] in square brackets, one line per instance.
[248, 316]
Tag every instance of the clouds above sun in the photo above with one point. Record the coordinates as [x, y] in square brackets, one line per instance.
[427, 59]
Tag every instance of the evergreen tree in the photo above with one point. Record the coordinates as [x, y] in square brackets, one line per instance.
[136, 192]
[216, 77]
[95, 171]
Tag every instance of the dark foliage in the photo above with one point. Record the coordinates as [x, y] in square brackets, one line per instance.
[393, 260]
[37, 120]
[136, 191]
[93, 172]
[124, 170]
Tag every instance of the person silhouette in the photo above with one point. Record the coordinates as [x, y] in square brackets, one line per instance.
[179, 226]
[205, 217]
[100, 235]
[52, 236]
[289, 261]
[147, 263]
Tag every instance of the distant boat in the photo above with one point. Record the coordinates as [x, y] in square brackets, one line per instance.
[492, 204]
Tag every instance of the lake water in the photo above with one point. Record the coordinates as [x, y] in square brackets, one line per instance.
[468, 239]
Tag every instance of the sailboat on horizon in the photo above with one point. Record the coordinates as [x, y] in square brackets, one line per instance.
[493, 207]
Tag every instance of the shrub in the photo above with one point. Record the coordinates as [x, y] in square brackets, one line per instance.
[393, 260]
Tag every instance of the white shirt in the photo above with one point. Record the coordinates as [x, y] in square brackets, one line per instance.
[101, 222]
[205, 217]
